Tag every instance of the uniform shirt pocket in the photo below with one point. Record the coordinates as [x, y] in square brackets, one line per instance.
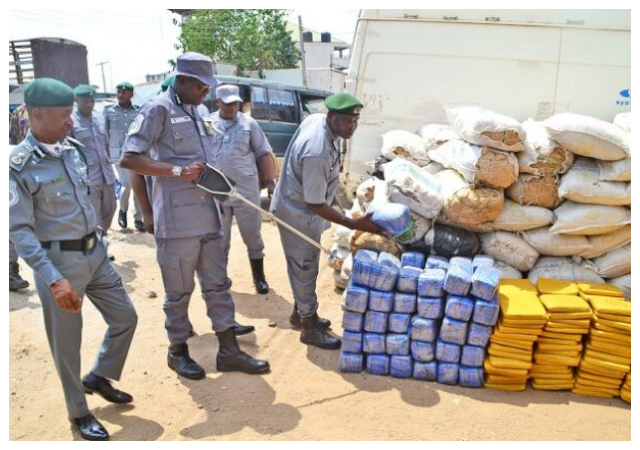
[59, 197]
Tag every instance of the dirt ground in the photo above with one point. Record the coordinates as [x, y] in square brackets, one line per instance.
[304, 397]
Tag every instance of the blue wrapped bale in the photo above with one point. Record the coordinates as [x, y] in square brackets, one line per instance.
[404, 303]
[393, 218]
[388, 260]
[378, 364]
[365, 255]
[471, 377]
[401, 366]
[431, 283]
[453, 331]
[356, 298]
[381, 301]
[380, 275]
[459, 275]
[351, 342]
[397, 344]
[351, 362]
[374, 343]
[430, 308]
[375, 322]
[458, 307]
[364, 263]
[412, 259]
[423, 351]
[399, 323]
[425, 330]
[437, 262]
[352, 321]
[447, 352]
[482, 260]
[408, 279]
[472, 356]
[479, 334]
[486, 313]
[425, 371]
[485, 282]
[448, 373]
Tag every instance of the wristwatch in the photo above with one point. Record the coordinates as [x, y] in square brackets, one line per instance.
[176, 171]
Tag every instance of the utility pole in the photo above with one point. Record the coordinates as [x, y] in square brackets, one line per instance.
[303, 63]
[104, 82]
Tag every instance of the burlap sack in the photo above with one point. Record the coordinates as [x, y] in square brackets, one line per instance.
[536, 191]
[487, 128]
[474, 206]
[376, 242]
[542, 155]
[406, 145]
[496, 169]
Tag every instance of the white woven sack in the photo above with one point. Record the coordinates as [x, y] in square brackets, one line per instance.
[558, 268]
[509, 248]
[515, 217]
[575, 218]
[549, 244]
[406, 145]
[542, 155]
[615, 263]
[413, 187]
[623, 121]
[436, 134]
[486, 128]
[582, 184]
[624, 283]
[604, 243]
[615, 170]
[508, 272]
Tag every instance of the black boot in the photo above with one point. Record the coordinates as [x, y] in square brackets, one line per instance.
[180, 361]
[296, 322]
[312, 334]
[259, 280]
[15, 280]
[231, 359]
[122, 219]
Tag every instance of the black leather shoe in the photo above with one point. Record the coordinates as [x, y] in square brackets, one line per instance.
[101, 386]
[179, 360]
[231, 359]
[15, 280]
[296, 322]
[241, 330]
[312, 334]
[89, 428]
[122, 219]
[259, 280]
[139, 225]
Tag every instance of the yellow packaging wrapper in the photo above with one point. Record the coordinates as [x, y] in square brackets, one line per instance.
[609, 336]
[548, 368]
[612, 349]
[557, 359]
[613, 317]
[610, 305]
[523, 345]
[498, 379]
[610, 391]
[502, 354]
[608, 357]
[564, 303]
[554, 341]
[579, 323]
[610, 382]
[513, 286]
[508, 363]
[551, 387]
[608, 290]
[506, 387]
[512, 336]
[513, 350]
[552, 376]
[594, 383]
[522, 306]
[599, 370]
[626, 327]
[570, 316]
[561, 336]
[530, 324]
[572, 331]
[493, 370]
[626, 396]
[531, 331]
[552, 286]
[624, 368]
[570, 353]
[561, 348]
[602, 327]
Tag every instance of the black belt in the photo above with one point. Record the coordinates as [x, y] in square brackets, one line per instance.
[86, 244]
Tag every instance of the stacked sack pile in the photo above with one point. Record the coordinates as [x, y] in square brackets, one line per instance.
[521, 321]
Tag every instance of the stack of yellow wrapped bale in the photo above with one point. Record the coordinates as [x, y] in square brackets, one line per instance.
[522, 318]
[607, 357]
[559, 347]
[625, 391]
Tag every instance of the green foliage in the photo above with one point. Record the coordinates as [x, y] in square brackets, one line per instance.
[252, 39]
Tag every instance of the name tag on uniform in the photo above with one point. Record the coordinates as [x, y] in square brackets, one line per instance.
[243, 132]
[208, 125]
[182, 119]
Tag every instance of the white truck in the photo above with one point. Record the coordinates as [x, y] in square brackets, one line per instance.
[408, 66]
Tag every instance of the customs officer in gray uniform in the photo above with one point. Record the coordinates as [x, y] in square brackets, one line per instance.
[90, 129]
[118, 118]
[303, 197]
[56, 232]
[171, 141]
[239, 145]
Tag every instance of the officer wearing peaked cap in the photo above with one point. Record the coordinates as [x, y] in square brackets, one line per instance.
[303, 198]
[55, 230]
[171, 141]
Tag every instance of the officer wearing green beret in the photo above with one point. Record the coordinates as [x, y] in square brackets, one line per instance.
[303, 198]
[55, 230]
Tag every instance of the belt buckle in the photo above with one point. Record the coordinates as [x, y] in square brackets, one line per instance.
[89, 243]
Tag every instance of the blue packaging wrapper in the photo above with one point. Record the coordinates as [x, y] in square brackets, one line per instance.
[448, 373]
[423, 351]
[446, 352]
[430, 308]
[356, 298]
[375, 275]
[479, 334]
[351, 362]
[352, 321]
[431, 283]
[425, 371]
[365, 255]
[482, 260]
[394, 218]
[425, 330]
[486, 313]
[399, 323]
[374, 343]
[404, 303]
[458, 278]
[401, 366]
[388, 260]
[437, 262]
[378, 364]
[460, 308]
[375, 322]
[408, 279]
[351, 342]
[471, 377]
[453, 331]
[485, 282]
[381, 301]
[412, 259]
[397, 344]
[472, 356]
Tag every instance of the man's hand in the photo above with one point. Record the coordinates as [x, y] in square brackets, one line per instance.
[66, 296]
[365, 224]
[148, 222]
[271, 186]
[192, 171]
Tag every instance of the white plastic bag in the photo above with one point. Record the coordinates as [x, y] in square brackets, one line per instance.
[487, 128]
[436, 134]
[413, 187]
[515, 217]
[509, 248]
[542, 155]
[574, 218]
[549, 244]
[336, 256]
[406, 145]
[582, 184]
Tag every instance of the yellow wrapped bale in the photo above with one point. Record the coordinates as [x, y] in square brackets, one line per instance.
[552, 286]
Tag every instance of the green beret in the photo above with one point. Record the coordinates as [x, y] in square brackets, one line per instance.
[343, 103]
[168, 82]
[125, 85]
[44, 92]
[84, 90]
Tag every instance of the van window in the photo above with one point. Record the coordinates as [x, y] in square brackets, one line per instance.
[312, 105]
[259, 103]
[283, 106]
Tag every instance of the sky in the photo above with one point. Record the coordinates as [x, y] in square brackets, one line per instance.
[139, 42]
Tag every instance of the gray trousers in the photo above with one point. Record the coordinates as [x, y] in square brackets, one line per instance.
[249, 222]
[103, 199]
[125, 178]
[303, 262]
[180, 259]
[95, 276]
[13, 255]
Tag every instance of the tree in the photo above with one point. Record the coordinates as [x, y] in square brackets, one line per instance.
[252, 39]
